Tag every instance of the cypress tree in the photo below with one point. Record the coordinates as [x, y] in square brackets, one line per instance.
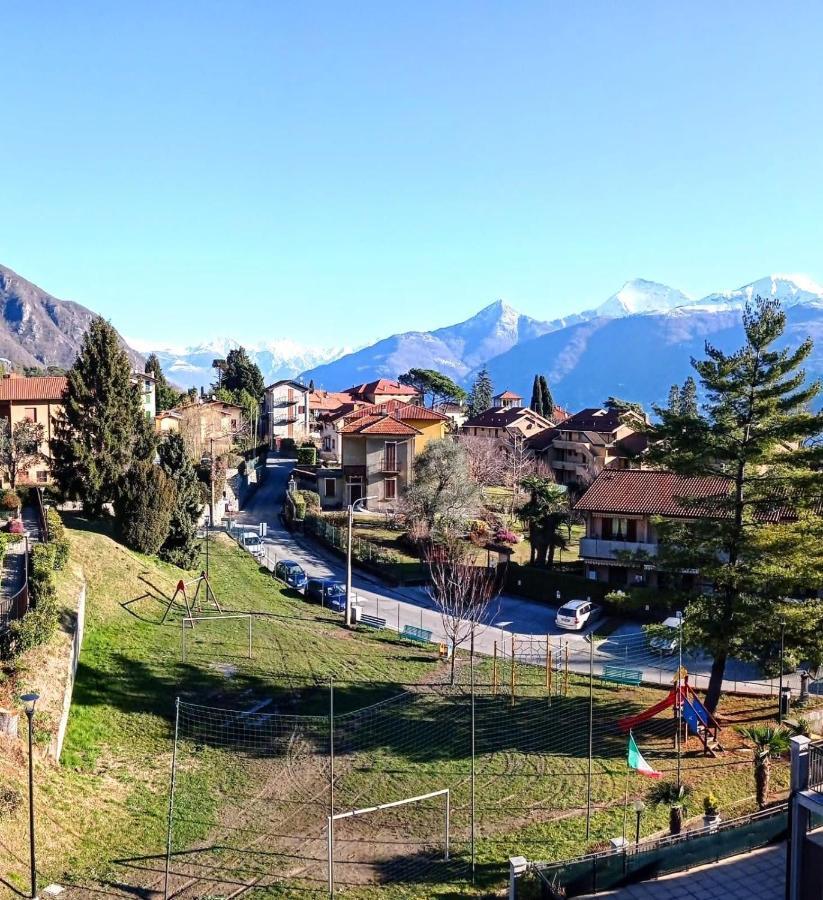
[102, 429]
[754, 540]
[180, 545]
[536, 404]
[546, 399]
[143, 507]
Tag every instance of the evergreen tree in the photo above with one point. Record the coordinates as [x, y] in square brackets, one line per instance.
[438, 387]
[688, 398]
[480, 398]
[241, 374]
[102, 429]
[546, 398]
[180, 545]
[673, 406]
[750, 540]
[536, 404]
[165, 396]
[143, 507]
[544, 514]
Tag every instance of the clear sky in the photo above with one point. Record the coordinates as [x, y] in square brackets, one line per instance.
[334, 172]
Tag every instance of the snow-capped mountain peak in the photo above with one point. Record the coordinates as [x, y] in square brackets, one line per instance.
[791, 290]
[642, 296]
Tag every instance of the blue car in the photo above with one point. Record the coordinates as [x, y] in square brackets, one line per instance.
[292, 573]
[327, 592]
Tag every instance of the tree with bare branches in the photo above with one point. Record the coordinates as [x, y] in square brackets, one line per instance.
[462, 591]
[486, 462]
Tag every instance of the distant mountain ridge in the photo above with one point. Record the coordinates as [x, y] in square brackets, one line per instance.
[37, 329]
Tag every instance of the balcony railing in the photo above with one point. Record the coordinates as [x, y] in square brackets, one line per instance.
[596, 548]
[816, 766]
[389, 463]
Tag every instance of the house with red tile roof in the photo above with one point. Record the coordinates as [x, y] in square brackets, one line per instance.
[39, 399]
[619, 509]
[506, 422]
[382, 390]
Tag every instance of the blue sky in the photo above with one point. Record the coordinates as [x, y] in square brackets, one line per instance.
[334, 172]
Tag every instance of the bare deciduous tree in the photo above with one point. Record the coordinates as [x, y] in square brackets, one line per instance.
[486, 461]
[462, 591]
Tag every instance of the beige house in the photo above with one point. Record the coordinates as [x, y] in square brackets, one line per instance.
[285, 411]
[206, 421]
[506, 422]
[39, 399]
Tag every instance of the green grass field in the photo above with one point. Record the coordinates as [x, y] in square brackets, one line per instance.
[252, 793]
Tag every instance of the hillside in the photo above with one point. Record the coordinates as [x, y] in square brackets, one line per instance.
[37, 329]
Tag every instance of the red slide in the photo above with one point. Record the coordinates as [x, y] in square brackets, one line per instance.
[631, 721]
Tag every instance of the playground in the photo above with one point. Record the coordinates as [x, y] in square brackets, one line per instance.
[537, 767]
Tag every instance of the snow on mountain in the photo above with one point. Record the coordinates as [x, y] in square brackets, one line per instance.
[641, 296]
[792, 290]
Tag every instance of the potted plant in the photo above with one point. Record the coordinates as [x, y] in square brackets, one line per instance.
[711, 811]
[673, 795]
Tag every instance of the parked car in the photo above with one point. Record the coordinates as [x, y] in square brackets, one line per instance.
[576, 614]
[327, 592]
[292, 573]
[664, 638]
[250, 540]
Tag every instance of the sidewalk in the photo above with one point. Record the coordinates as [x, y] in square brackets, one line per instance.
[14, 564]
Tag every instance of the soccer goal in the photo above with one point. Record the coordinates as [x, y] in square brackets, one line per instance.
[444, 792]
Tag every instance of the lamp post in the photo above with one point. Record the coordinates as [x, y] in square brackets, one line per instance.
[780, 692]
[638, 806]
[30, 700]
[351, 510]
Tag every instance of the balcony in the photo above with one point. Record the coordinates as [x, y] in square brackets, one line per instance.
[389, 464]
[596, 548]
[816, 766]
[567, 465]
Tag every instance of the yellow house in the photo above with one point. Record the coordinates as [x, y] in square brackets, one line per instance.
[39, 399]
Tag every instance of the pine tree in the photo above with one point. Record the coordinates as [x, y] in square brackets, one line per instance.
[480, 398]
[688, 398]
[165, 396]
[102, 429]
[546, 399]
[536, 404]
[673, 406]
[180, 545]
[756, 433]
[143, 507]
[241, 374]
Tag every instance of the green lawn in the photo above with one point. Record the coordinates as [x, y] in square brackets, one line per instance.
[254, 791]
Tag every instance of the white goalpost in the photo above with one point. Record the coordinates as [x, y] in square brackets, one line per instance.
[443, 792]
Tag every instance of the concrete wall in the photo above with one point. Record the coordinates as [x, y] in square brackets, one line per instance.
[56, 747]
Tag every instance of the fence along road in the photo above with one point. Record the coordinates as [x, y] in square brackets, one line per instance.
[526, 622]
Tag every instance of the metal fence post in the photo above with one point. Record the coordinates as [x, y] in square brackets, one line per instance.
[331, 787]
[250, 621]
[171, 798]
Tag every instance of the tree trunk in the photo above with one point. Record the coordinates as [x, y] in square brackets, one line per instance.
[454, 656]
[716, 681]
[676, 819]
[9, 722]
[762, 776]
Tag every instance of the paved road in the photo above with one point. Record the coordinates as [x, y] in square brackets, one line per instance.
[529, 622]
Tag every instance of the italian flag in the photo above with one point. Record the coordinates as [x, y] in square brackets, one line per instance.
[636, 761]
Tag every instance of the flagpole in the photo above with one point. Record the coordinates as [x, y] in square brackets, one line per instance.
[626, 797]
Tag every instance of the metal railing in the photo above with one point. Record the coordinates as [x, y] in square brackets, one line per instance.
[816, 766]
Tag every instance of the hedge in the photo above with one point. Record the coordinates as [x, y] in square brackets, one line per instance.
[543, 584]
[57, 537]
[307, 456]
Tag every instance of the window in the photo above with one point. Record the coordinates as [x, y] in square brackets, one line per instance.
[330, 487]
[42, 476]
[390, 488]
[30, 413]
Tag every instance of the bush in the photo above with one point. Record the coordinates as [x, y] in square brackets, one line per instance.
[643, 603]
[10, 500]
[543, 584]
[57, 538]
[144, 506]
[288, 446]
[505, 536]
[312, 501]
[10, 800]
[307, 456]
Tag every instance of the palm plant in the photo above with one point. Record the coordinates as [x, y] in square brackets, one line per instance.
[673, 795]
[768, 741]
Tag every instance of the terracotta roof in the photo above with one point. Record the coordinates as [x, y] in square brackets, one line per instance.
[383, 386]
[507, 395]
[412, 411]
[652, 493]
[381, 424]
[37, 387]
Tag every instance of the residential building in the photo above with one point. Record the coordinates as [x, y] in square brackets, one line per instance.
[40, 399]
[145, 385]
[167, 421]
[506, 422]
[381, 391]
[805, 844]
[374, 446]
[205, 421]
[584, 444]
[507, 399]
[619, 509]
[285, 411]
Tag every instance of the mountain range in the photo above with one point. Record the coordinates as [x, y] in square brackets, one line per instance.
[635, 344]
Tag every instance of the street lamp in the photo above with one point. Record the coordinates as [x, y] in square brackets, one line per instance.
[352, 508]
[30, 700]
[638, 806]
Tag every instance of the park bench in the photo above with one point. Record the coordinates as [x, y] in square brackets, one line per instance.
[621, 675]
[413, 633]
[372, 621]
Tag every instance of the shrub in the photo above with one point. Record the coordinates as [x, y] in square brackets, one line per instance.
[307, 456]
[711, 805]
[478, 528]
[288, 446]
[505, 536]
[57, 538]
[10, 500]
[312, 501]
[10, 800]
[143, 508]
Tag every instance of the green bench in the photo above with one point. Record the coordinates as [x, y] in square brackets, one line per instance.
[621, 675]
[413, 633]
[372, 621]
